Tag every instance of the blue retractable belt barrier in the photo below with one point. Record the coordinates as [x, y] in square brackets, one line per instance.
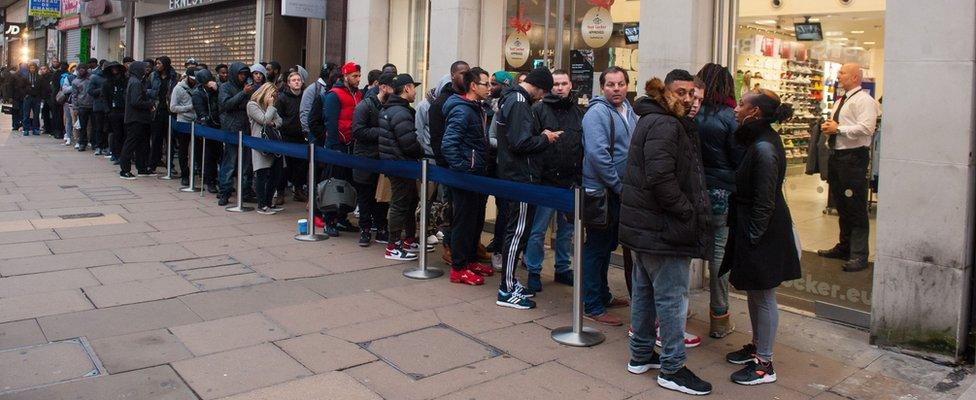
[546, 196]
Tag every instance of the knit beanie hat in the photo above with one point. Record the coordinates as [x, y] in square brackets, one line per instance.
[540, 78]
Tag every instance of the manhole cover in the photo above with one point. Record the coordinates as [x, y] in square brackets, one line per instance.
[47, 364]
[430, 351]
[219, 272]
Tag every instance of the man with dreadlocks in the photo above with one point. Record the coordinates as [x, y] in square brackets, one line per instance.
[720, 157]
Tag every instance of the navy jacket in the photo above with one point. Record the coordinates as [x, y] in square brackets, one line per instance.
[721, 154]
[465, 144]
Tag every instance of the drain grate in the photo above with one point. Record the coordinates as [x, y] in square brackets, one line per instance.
[81, 216]
[108, 193]
[218, 272]
[67, 186]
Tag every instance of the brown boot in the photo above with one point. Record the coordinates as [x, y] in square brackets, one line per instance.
[721, 325]
[483, 253]
[446, 255]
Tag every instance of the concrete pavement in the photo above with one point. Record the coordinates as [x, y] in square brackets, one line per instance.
[114, 289]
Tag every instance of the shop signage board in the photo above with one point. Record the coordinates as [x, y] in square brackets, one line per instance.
[581, 72]
[181, 4]
[70, 18]
[303, 8]
[11, 29]
[517, 47]
[44, 8]
[597, 24]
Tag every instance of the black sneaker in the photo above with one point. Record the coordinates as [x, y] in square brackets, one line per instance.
[745, 355]
[346, 226]
[835, 252]
[250, 199]
[565, 278]
[365, 238]
[212, 188]
[147, 173]
[755, 374]
[222, 201]
[127, 176]
[185, 181]
[640, 367]
[332, 231]
[382, 237]
[684, 381]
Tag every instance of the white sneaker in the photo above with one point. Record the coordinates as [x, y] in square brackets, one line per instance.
[67, 141]
[432, 240]
[496, 262]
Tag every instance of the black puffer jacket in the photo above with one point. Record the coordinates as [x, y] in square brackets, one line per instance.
[399, 138]
[465, 143]
[366, 133]
[562, 162]
[664, 203]
[205, 102]
[520, 143]
[289, 109]
[761, 252]
[720, 153]
[233, 102]
[138, 103]
[437, 122]
[98, 81]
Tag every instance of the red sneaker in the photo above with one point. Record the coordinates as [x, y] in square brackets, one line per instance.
[480, 269]
[466, 277]
[319, 222]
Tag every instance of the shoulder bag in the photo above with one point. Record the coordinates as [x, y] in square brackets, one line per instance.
[596, 204]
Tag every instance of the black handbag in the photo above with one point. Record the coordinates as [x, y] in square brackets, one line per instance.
[596, 204]
[270, 133]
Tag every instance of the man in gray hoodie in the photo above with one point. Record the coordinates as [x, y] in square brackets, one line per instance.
[82, 101]
[232, 98]
[181, 103]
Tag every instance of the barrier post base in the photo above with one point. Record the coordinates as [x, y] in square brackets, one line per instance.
[586, 338]
[422, 273]
[189, 189]
[315, 237]
[166, 177]
[239, 209]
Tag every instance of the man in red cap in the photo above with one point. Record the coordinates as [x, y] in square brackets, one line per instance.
[337, 110]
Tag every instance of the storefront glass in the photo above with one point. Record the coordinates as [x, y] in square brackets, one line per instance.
[797, 53]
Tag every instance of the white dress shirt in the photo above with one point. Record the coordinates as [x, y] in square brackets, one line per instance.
[857, 121]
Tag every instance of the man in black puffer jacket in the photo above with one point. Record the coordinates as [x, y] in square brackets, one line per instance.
[206, 106]
[366, 132]
[289, 109]
[399, 142]
[232, 97]
[466, 149]
[664, 221]
[138, 114]
[113, 91]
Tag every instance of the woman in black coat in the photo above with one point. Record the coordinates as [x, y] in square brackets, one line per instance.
[761, 252]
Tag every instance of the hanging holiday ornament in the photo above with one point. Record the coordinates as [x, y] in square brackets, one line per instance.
[517, 46]
[597, 24]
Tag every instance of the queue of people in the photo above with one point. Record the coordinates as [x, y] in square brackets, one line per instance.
[684, 172]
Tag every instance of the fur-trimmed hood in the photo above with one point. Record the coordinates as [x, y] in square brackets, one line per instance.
[659, 101]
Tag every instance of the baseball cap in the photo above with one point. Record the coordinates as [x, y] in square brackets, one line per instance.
[350, 67]
[402, 80]
[386, 79]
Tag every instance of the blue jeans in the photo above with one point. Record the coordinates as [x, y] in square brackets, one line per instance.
[660, 292]
[535, 250]
[227, 168]
[31, 107]
[597, 247]
[718, 286]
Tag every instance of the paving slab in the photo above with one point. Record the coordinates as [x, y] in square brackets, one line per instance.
[116, 321]
[164, 215]
[20, 334]
[228, 333]
[238, 371]
[219, 246]
[188, 223]
[547, 381]
[196, 234]
[99, 243]
[139, 350]
[394, 385]
[386, 327]
[283, 270]
[365, 281]
[104, 230]
[119, 273]
[867, 385]
[215, 272]
[246, 300]
[46, 282]
[157, 383]
[16, 225]
[162, 252]
[528, 342]
[20, 250]
[323, 353]
[331, 313]
[26, 236]
[56, 262]
[430, 351]
[334, 385]
[116, 294]
[44, 364]
[41, 304]
[233, 281]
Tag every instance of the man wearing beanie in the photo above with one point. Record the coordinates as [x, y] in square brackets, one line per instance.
[520, 144]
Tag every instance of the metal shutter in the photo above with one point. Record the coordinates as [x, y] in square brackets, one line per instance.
[210, 34]
[72, 45]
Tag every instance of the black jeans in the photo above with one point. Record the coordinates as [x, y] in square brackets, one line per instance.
[183, 146]
[372, 214]
[157, 139]
[403, 205]
[467, 221]
[211, 160]
[517, 227]
[116, 127]
[99, 133]
[57, 119]
[847, 172]
[265, 181]
[136, 147]
[46, 116]
[296, 172]
[85, 135]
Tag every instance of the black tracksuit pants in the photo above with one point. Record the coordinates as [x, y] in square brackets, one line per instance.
[467, 221]
[136, 147]
[518, 227]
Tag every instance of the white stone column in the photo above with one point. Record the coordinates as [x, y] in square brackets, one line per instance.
[367, 32]
[455, 34]
[925, 212]
[673, 34]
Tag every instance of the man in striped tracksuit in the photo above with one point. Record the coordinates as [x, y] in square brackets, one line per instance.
[520, 145]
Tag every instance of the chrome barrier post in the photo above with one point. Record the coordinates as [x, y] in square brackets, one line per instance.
[240, 177]
[421, 271]
[203, 167]
[577, 335]
[169, 151]
[193, 140]
[311, 236]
